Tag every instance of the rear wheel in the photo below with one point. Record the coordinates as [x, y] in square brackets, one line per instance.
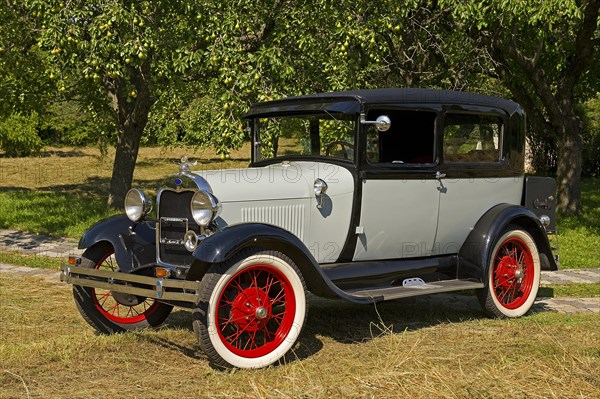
[252, 309]
[513, 275]
[110, 312]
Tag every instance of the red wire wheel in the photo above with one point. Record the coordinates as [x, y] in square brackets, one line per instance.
[255, 311]
[513, 275]
[252, 309]
[110, 312]
[121, 308]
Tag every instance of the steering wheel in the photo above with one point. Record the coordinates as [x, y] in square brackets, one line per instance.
[344, 144]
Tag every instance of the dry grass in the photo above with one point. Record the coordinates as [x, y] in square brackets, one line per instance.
[67, 168]
[404, 349]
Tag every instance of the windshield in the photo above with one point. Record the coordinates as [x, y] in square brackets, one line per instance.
[324, 135]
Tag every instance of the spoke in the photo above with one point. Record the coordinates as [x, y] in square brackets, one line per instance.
[237, 285]
[228, 320]
[504, 292]
[251, 340]
[278, 297]
[103, 298]
[238, 332]
[271, 280]
[113, 308]
[278, 318]
[521, 260]
[135, 310]
[270, 335]
[254, 280]
[104, 295]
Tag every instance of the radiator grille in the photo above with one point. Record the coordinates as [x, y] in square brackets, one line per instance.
[289, 217]
[175, 216]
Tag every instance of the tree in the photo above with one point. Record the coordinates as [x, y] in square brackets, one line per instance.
[544, 52]
[111, 56]
[122, 56]
[24, 84]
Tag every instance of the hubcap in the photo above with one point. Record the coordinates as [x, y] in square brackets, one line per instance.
[126, 299]
[261, 313]
[251, 309]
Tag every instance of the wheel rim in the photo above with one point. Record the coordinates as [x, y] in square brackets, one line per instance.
[255, 311]
[514, 273]
[109, 307]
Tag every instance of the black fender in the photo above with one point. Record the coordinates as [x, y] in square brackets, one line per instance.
[133, 248]
[476, 252]
[225, 243]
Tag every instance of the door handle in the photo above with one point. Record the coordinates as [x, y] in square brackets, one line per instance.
[439, 175]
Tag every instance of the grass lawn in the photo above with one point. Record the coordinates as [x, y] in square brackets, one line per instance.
[63, 192]
[401, 349]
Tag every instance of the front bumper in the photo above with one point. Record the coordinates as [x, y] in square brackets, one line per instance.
[143, 286]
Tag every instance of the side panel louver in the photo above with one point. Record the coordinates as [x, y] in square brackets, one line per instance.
[289, 217]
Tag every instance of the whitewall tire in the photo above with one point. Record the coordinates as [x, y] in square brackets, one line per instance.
[513, 275]
[252, 309]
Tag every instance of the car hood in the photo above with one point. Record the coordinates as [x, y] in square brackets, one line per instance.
[286, 180]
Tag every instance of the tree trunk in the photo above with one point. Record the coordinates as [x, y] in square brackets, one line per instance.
[131, 116]
[122, 175]
[570, 148]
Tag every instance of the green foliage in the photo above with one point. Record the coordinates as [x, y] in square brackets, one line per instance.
[591, 138]
[24, 86]
[66, 123]
[19, 135]
[195, 121]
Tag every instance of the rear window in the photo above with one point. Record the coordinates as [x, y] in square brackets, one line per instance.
[472, 138]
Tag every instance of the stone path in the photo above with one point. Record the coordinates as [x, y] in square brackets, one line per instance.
[32, 244]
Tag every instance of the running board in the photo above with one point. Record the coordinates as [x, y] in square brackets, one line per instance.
[386, 293]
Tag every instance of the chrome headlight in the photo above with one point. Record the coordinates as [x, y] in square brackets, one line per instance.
[205, 208]
[136, 205]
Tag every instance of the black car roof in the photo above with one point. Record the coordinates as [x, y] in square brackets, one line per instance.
[391, 96]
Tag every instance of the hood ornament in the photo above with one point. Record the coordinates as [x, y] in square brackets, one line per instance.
[185, 164]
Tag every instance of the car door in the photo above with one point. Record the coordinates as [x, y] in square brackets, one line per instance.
[478, 173]
[399, 191]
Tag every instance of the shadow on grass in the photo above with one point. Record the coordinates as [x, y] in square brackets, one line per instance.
[62, 153]
[55, 210]
[349, 323]
[60, 210]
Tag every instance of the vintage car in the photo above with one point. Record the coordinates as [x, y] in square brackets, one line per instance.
[366, 196]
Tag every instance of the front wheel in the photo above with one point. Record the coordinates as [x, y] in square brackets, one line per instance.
[513, 275]
[111, 312]
[252, 309]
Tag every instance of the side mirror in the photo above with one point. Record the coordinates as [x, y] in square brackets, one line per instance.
[382, 123]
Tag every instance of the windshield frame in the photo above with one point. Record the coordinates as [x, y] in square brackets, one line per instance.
[257, 158]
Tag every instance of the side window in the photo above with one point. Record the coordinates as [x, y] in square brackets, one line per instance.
[410, 139]
[472, 138]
